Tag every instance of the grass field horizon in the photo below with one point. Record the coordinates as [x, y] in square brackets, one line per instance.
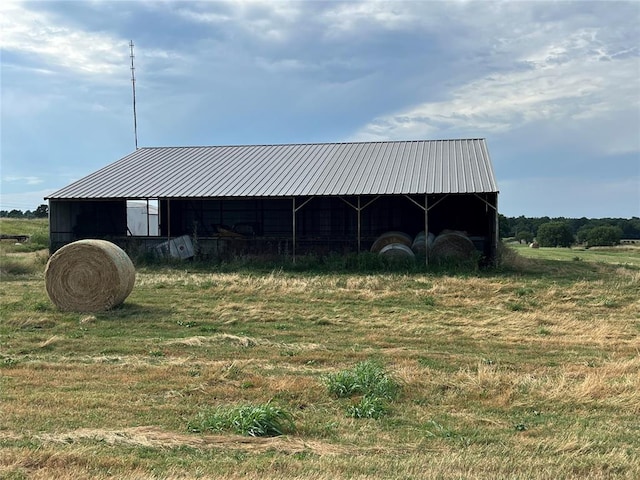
[528, 371]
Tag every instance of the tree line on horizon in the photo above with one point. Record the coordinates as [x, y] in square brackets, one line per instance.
[564, 232]
[42, 211]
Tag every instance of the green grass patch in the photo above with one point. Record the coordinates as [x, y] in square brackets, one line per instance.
[22, 226]
[366, 378]
[265, 420]
[622, 254]
[368, 381]
[369, 407]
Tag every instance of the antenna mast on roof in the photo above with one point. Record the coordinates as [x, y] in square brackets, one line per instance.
[133, 84]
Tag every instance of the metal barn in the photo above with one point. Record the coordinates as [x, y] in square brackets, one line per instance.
[285, 199]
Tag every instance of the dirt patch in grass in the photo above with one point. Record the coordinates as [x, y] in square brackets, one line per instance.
[154, 437]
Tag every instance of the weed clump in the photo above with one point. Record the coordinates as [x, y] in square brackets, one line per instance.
[366, 378]
[253, 420]
[370, 382]
[368, 407]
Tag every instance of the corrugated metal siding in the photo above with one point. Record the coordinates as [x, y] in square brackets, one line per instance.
[363, 168]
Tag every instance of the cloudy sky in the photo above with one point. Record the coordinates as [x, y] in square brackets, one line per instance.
[554, 87]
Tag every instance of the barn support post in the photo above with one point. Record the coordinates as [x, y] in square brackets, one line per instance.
[358, 210]
[359, 225]
[424, 207]
[293, 236]
[294, 211]
[148, 219]
[168, 219]
[426, 230]
[361, 209]
[496, 230]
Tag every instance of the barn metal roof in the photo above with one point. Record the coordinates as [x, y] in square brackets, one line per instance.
[322, 169]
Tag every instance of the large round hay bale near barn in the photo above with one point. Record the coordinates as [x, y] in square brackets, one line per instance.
[452, 246]
[388, 238]
[89, 276]
[397, 252]
[419, 245]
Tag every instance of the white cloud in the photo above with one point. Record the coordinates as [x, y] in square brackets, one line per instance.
[58, 46]
[346, 17]
[265, 20]
[23, 180]
[212, 18]
[563, 82]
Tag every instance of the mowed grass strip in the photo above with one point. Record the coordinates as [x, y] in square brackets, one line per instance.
[532, 372]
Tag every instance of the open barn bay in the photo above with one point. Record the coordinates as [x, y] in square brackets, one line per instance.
[532, 371]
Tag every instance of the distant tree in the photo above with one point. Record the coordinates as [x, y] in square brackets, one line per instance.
[504, 226]
[4, 214]
[578, 223]
[540, 221]
[605, 235]
[522, 224]
[15, 214]
[581, 234]
[42, 211]
[555, 234]
[631, 228]
[524, 236]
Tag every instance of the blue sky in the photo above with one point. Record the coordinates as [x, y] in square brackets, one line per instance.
[554, 87]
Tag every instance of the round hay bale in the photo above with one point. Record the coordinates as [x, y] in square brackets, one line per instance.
[388, 238]
[89, 276]
[419, 246]
[452, 246]
[397, 252]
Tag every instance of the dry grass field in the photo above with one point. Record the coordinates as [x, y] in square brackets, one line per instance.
[531, 371]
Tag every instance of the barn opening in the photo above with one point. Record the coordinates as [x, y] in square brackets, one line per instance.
[142, 218]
